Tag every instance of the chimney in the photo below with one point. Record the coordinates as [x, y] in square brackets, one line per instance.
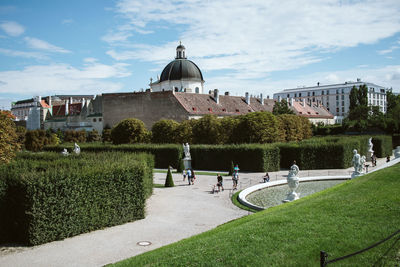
[50, 100]
[304, 102]
[66, 107]
[83, 103]
[247, 98]
[261, 99]
[267, 96]
[358, 79]
[216, 96]
[226, 93]
[38, 99]
[70, 100]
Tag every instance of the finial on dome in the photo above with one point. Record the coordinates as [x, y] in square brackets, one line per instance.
[180, 51]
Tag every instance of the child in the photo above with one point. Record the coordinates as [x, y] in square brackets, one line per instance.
[220, 182]
[184, 175]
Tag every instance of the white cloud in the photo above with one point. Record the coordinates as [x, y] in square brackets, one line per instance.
[388, 51]
[24, 54]
[62, 78]
[43, 45]
[258, 37]
[12, 28]
[67, 21]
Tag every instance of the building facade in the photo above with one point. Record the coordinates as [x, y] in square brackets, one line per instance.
[336, 97]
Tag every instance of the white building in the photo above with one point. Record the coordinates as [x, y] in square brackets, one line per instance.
[180, 75]
[335, 97]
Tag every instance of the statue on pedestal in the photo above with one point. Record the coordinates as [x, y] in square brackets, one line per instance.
[77, 149]
[357, 164]
[65, 152]
[186, 150]
[293, 183]
[370, 152]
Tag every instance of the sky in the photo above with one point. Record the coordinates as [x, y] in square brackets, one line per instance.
[51, 47]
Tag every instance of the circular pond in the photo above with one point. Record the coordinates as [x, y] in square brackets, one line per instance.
[273, 196]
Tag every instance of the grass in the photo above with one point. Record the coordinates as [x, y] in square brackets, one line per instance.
[236, 202]
[158, 185]
[340, 220]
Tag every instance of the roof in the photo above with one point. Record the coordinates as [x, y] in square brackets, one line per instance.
[311, 111]
[44, 104]
[202, 104]
[73, 109]
[24, 101]
[179, 69]
[330, 86]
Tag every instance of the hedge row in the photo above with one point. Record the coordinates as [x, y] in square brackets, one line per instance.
[46, 197]
[249, 157]
[164, 155]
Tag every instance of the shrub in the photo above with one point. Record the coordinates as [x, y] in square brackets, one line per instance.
[129, 131]
[252, 157]
[106, 135]
[382, 145]
[8, 137]
[164, 155]
[35, 140]
[163, 132]
[21, 132]
[168, 180]
[184, 132]
[93, 136]
[51, 197]
[72, 136]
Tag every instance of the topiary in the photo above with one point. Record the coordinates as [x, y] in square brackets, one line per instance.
[93, 136]
[168, 181]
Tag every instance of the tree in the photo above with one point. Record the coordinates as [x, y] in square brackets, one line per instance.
[35, 140]
[184, 132]
[8, 137]
[257, 127]
[359, 109]
[164, 131]
[228, 126]
[207, 130]
[282, 108]
[106, 134]
[169, 182]
[129, 131]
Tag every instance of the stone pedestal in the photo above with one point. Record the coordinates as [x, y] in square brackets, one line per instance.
[397, 152]
[293, 183]
[187, 163]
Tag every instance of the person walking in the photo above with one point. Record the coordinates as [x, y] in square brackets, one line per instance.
[235, 177]
[193, 177]
[220, 182]
[184, 172]
[189, 175]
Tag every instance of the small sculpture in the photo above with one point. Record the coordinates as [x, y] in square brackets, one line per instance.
[186, 150]
[370, 145]
[77, 149]
[362, 162]
[293, 183]
[65, 152]
[357, 164]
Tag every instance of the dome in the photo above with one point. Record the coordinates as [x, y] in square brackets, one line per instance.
[181, 69]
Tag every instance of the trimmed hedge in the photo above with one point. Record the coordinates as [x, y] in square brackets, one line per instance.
[382, 145]
[50, 197]
[164, 155]
[249, 157]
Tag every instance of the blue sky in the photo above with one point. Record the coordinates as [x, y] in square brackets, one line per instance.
[97, 46]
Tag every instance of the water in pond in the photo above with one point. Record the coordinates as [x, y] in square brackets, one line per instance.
[273, 196]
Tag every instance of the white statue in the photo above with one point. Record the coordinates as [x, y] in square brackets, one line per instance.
[65, 152]
[356, 163]
[186, 150]
[370, 145]
[77, 149]
[293, 182]
[362, 162]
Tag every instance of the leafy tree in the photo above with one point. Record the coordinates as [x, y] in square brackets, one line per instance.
[184, 132]
[35, 140]
[207, 130]
[8, 137]
[169, 182]
[358, 109]
[291, 127]
[228, 126]
[164, 131]
[282, 108]
[93, 136]
[257, 127]
[129, 131]
[75, 136]
[106, 134]
[21, 131]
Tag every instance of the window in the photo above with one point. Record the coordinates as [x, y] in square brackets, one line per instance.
[337, 91]
[342, 97]
[176, 89]
[313, 93]
[342, 103]
[288, 95]
[342, 91]
[337, 97]
[337, 110]
[308, 93]
[295, 95]
[100, 119]
[343, 109]
[197, 90]
[299, 94]
[94, 120]
[337, 103]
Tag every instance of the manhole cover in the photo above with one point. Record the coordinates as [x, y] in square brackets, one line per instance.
[144, 243]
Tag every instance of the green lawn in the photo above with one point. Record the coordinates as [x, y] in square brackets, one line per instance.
[339, 220]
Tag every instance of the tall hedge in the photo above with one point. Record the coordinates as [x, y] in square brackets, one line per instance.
[50, 197]
[164, 154]
[252, 157]
[382, 145]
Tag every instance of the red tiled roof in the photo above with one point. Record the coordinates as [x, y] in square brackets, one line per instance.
[73, 109]
[313, 111]
[201, 104]
[58, 110]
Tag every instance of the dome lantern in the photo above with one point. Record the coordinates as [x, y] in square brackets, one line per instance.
[180, 51]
